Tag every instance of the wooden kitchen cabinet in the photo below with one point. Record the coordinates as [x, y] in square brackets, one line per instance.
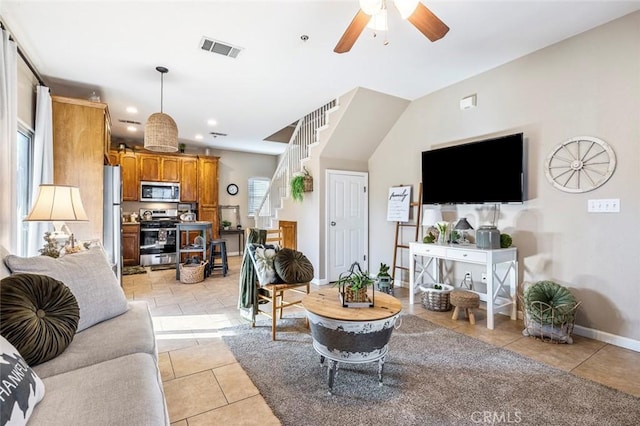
[130, 244]
[189, 180]
[208, 192]
[158, 168]
[81, 137]
[129, 172]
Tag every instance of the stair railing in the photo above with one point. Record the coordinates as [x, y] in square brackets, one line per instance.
[304, 135]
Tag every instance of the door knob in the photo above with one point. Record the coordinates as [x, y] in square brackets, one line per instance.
[333, 223]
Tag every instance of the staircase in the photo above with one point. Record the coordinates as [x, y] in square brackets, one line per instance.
[304, 135]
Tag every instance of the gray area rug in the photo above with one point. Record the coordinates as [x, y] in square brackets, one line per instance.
[433, 376]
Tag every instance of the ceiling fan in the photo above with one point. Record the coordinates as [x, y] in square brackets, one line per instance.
[412, 10]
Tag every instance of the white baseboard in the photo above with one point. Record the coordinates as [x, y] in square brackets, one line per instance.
[318, 281]
[603, 336]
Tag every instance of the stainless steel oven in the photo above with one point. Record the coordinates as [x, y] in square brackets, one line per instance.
[158, 239]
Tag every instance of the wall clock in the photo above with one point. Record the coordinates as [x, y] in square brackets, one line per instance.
[580, 164]
[232, 189]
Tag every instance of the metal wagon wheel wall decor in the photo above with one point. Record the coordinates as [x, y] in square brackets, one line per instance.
[580, 164]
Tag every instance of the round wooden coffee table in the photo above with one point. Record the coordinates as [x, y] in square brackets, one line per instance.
[351, 335]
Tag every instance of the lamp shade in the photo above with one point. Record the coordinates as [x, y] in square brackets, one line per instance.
[431, 216]
[58, 203]
[161, 133]
[463, 224]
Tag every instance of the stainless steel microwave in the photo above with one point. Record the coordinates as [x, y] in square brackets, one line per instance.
[168, 192]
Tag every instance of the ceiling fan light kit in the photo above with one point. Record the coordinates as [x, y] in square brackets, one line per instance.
[161, 131]
[372, 14]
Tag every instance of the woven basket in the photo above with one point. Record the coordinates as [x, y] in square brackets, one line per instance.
[308, 183]
[436, 300]
[191, 274]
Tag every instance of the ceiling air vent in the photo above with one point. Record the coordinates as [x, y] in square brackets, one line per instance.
[129, 122]
[219, 47]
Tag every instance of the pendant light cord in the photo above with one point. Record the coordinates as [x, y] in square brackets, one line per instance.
[161, 91]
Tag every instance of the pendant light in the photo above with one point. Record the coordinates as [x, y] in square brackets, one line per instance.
[160, 131]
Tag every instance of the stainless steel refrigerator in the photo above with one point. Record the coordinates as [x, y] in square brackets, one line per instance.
[112, 220]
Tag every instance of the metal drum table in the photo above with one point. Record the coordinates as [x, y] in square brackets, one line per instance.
[350, 335]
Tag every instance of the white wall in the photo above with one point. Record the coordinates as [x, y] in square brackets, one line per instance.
[587, 85]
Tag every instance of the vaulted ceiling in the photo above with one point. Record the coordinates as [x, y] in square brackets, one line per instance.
[286, 66]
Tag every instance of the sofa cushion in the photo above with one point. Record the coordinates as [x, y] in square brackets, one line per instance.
[122, 391]
[88, 275]
[123, 335]
[293, 266]
[20, 387]
[38, 315]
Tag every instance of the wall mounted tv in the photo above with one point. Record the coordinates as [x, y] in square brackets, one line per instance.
[485, 171]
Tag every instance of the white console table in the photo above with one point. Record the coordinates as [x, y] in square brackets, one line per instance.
[501, 269]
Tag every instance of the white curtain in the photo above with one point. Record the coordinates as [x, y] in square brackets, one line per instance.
[42, 170]
[8, 142]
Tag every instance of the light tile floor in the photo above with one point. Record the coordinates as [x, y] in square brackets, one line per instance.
[204, 385]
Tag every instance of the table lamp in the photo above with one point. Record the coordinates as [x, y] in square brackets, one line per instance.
[463, 225]
[58, 204]
[430, 217]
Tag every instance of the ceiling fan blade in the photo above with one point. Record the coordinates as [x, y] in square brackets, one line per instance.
[352, 32]
[428, 23]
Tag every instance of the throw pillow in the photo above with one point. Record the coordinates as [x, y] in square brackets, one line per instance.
[20, 387]
[263, 255]
[38, 315]
[88, 275]
[293, 266]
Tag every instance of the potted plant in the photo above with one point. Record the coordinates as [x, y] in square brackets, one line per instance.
[181, 147]
[384, 279]
[301, 183]
[353, 286]
[225, 225]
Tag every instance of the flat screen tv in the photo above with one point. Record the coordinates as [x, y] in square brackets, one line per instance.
[485, 171]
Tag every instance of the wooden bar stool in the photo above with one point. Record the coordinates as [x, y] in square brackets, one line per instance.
[466, 300]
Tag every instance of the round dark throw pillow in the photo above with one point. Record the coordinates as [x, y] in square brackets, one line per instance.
[549, 303]
[38, 315]
[293, 266]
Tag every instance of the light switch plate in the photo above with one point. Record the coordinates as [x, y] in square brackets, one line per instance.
[605, 205]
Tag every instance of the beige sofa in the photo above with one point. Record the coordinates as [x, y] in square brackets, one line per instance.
[108, 374]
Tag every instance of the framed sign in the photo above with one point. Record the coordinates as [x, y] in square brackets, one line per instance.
[398, 204]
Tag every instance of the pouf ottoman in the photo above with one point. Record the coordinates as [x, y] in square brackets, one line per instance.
[466, 300]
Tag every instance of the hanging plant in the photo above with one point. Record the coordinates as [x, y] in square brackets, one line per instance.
[300, 184]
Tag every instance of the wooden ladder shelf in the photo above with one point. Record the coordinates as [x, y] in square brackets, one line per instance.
[416, 207]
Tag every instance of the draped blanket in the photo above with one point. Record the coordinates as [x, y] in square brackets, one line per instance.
[248, 290]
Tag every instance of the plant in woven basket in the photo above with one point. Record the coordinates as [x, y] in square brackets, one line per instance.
[300, 184]
[355, 284]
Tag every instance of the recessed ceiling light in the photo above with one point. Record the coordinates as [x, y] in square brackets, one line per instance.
[199, 136]
[132, 110]
[212, 122]
[132, 128]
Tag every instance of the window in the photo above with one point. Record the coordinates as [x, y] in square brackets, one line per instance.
[258, 187]
[23, 185]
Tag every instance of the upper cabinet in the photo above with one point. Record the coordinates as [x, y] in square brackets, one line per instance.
[81, 138]
[158, 168]
[189, 180]
[147, 167]
[129, 171]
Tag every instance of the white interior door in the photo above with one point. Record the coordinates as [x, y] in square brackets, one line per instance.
[347, 221]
